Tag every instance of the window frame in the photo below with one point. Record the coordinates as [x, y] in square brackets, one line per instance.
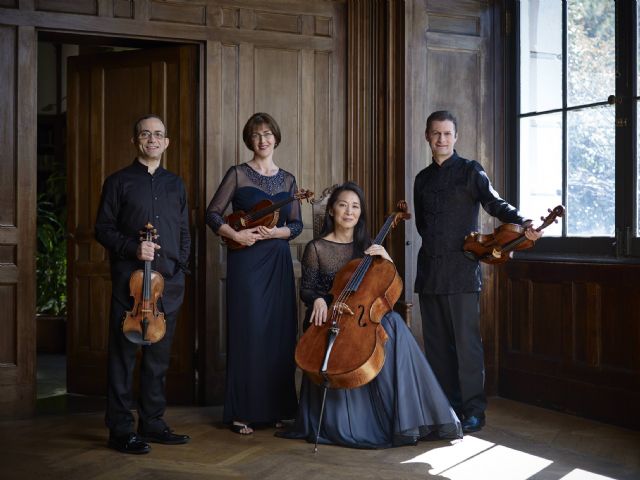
[624, 246]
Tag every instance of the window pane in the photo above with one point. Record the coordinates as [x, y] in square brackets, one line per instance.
[540, 55]
[541, 167]
[590, 51]
[591, 172]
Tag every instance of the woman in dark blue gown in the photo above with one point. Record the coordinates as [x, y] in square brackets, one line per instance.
[261, 299]
[404, 403]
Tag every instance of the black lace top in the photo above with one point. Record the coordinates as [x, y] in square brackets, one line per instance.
[321, 261]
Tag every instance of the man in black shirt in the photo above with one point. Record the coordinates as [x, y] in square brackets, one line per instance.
[142, 193]
[447, 198]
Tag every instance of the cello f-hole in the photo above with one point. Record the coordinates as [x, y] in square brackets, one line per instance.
[360, 321]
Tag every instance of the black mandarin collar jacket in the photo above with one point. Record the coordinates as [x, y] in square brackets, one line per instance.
[447, 201]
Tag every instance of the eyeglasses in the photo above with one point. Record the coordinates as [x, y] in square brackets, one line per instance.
[259, 136]
[146, 135]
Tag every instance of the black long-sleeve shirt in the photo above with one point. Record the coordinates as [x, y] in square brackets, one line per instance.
[131, 197]
[447, 201]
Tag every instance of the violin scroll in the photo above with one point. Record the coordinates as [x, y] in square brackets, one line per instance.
[552, 217]
[303, 194]
[149, 233]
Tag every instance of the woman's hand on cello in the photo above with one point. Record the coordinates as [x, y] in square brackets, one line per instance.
[378, 250]
[247, 237]
[319, 312]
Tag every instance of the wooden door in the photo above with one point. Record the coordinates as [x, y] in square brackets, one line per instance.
[106, 94]
[18, 52]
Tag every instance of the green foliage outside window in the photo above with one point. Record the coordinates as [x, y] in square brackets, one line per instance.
[591, 133]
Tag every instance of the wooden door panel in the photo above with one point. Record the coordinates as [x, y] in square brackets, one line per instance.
[107, 93]
[569, 338]
[18, 189]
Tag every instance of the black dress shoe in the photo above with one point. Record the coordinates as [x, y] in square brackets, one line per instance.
[129, 443]
[472, 424]
[166, 437]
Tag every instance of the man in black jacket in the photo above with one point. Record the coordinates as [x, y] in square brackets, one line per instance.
[142, 193]
[447, 198]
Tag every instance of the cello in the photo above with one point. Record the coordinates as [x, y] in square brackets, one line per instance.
[264, 213]
[347, 351]
[145, 323]
[499, 246]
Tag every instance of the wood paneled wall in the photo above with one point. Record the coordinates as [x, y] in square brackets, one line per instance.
[570, 338]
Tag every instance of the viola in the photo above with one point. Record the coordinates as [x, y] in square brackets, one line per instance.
[347, 351]
[499, 246]
[145, 323]
[264, 213]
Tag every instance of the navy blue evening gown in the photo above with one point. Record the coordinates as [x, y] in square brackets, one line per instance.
[261, 303]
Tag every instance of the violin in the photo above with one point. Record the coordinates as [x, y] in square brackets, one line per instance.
[264, 213]
[145, 324]
[499, 246]
[347, 351]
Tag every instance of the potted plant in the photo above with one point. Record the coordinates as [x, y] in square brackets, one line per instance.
[51, 263]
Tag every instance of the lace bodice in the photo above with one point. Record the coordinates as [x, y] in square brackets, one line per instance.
[243, 176]
[321, 261]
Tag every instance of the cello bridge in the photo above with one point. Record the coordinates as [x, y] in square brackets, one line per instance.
[341, 308]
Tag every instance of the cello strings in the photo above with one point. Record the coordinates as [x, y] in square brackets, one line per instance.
[363, 266]
[360, 270]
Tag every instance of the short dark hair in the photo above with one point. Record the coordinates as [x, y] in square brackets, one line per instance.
[361, 236]
[441, 116]
[136, 125]
[256, 119]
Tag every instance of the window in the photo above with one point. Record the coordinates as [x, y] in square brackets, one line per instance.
[575, 105]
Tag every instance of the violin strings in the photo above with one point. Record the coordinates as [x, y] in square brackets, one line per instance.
[250, 217]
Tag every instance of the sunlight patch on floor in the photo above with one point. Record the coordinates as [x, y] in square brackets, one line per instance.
[578, 474]
[463, 460]
[443, 458]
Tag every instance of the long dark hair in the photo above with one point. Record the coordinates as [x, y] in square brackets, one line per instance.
[361, 236]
